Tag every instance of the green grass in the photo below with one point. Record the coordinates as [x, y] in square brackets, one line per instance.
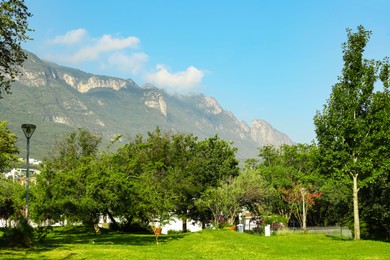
[208, 244]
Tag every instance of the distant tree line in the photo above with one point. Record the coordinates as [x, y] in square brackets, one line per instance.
[165, 175]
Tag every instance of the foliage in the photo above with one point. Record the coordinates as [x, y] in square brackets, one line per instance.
[8, 150]
[333, 207]
[41, 233]
[228, 199]
[290, 169]
[63, 187]
[352, 130]
[145, 181]
[376, 204]
[300, 198]
[11, 199]
[13, 30]
[213, 163]
[276, 222]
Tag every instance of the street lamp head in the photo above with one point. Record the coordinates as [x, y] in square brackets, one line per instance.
[28, 130]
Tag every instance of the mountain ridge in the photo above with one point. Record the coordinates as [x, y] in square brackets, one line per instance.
[61, 98]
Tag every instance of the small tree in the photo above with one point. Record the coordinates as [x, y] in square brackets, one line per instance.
[247, 189]
[300, 198]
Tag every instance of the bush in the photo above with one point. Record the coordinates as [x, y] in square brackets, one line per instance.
[42, 232]
[22, 235]
[175, 232]
[258, 230]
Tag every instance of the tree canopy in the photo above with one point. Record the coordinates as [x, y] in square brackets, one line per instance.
[146, 179]
[13, 31]
[8, 149]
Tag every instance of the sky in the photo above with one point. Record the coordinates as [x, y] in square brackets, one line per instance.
[274, 60]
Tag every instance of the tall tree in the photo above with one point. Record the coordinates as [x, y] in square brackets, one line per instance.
[13, 31]
[353, 128]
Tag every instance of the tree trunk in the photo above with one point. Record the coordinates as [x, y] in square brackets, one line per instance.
[184, 225]
[304, 211]
[97, 228]
[113, 221]
[356, 223]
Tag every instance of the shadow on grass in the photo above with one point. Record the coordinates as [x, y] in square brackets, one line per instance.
[63, 239]
[340, 238]
[83, 236]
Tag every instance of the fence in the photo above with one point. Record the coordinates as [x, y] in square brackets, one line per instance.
[330, 230]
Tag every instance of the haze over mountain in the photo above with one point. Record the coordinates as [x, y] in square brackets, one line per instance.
[60, 99]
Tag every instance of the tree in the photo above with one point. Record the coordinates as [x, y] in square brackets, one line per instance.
[297, 195]
[13, 31]
[183, 171]
[8, 150]
[65, 186]
[214, 161]
[226, 200]
[353, 128]
[291, 172]
[175, 169]
[376, 209]
[11, 198]
[157, 175]
[145, 180]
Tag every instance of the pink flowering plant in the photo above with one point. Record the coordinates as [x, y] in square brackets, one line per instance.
[259, 229]
[277, 222]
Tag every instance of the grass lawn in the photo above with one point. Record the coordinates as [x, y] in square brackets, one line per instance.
[208, 244]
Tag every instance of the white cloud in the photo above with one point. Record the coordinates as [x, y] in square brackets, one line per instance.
[92, 48]
[70, 37]
[105, 44]
[133, 63]
[118, 54]
[183, 80]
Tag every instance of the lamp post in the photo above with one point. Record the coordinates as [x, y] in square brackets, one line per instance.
[28, 130]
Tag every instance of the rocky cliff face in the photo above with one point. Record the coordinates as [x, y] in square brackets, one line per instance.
[210, 105]
[264, 134]
[70, 97]
[154, 99]
[84, 86]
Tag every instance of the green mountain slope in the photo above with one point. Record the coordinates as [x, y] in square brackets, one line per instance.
[60, 99]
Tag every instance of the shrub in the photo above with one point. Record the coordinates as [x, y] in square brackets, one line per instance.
[42, 232]
[21, 235]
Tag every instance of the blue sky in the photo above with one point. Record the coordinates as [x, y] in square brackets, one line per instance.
[270, 60]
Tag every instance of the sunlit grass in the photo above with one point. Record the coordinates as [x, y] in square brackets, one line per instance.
[208, 244]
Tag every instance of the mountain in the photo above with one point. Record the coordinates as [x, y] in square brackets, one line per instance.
[60, 99]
